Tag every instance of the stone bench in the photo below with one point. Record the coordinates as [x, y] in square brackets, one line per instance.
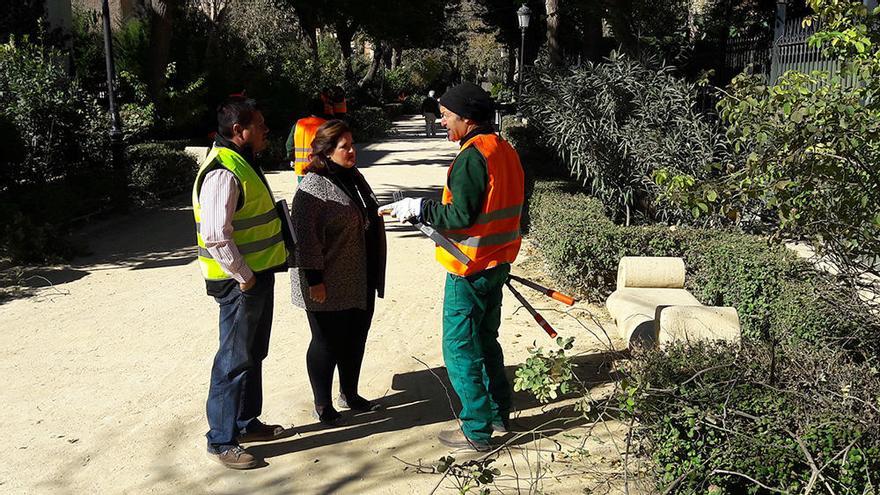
[651, 306]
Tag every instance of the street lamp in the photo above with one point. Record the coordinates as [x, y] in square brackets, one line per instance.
[120, 179]
[522, 14]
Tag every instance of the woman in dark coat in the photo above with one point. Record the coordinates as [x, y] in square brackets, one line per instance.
[340, 267]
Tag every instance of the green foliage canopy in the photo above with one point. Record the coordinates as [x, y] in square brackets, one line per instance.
[807, 146]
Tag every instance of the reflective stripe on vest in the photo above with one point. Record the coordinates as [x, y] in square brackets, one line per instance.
[494, 238]
[256, 226]
[303, 134]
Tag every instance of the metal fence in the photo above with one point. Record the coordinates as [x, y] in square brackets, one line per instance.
[752, 54]
[788, 49]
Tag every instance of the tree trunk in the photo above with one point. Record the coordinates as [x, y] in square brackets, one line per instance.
[344, 34]
[395, 57]
[511, 67]
[309, 25]
[378, 55]
[163, 13]
[217, 13]
[387, 57]
[552, 9]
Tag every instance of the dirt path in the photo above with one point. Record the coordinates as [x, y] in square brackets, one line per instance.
[107, 372]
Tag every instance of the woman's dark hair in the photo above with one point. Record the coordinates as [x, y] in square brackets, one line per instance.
[325, 141]
[235, 110]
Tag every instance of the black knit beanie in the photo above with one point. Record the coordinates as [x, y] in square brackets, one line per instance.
[469, 101]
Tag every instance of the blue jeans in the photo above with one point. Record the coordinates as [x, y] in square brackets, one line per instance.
[235, 398]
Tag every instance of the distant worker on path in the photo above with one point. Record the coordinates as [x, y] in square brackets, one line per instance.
[240, 248]
[480, 213]
[299, 142]
[327, 100]
[340, 104]
[430, 110]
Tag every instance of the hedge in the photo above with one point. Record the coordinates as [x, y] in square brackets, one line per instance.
[158, 170]
[778, 296]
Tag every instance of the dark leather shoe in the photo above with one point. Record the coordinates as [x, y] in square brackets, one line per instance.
[262, 433]
[456, 439]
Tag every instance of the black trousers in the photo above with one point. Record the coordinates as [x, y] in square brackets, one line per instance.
[338, 341]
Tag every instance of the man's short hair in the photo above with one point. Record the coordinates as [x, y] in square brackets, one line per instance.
[235, 110]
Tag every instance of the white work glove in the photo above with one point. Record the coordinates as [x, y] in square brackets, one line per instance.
[404, 209]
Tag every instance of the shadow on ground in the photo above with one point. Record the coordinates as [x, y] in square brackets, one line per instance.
[38, 282]
[426, 397]
[141, 240]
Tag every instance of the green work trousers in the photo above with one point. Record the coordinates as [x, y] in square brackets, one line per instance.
[473, 357]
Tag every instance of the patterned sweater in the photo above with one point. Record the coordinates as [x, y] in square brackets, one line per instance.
[332, 236]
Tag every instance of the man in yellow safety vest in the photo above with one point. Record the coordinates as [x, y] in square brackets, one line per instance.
[240, 248]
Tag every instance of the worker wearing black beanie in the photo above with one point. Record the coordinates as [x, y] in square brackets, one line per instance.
[469, 101]
[480, 215]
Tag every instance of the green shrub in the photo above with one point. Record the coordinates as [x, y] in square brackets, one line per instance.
[369, 123]
[807, 146]
[59, 127]
[706, 408]
[159, 170]
[614, 123]
[778, 297]
[53, 167]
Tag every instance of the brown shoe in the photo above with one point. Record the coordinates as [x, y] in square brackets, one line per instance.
[262, 433]
[457, 440]
[234, 458]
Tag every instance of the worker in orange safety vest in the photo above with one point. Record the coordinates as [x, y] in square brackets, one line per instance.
[480, 213]
[299, 142]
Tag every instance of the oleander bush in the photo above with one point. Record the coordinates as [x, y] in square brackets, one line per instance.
[54, 165]
[613, 123]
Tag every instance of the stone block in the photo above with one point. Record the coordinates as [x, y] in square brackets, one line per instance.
[697, 323]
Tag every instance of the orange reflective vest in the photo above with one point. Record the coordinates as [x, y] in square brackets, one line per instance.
[494, 238]
[303, 134]
[340, 107]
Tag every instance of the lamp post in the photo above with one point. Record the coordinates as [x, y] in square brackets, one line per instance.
[522, 14]
[119, 195]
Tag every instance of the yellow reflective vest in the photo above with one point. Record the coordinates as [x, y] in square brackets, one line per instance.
[256, 226]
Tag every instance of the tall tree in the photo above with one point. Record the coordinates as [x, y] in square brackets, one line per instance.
[551, 7]
[375, 63]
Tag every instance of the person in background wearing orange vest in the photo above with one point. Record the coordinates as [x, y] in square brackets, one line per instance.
[299, 142]
[327, 100]
[340, 105]
[480, 213]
